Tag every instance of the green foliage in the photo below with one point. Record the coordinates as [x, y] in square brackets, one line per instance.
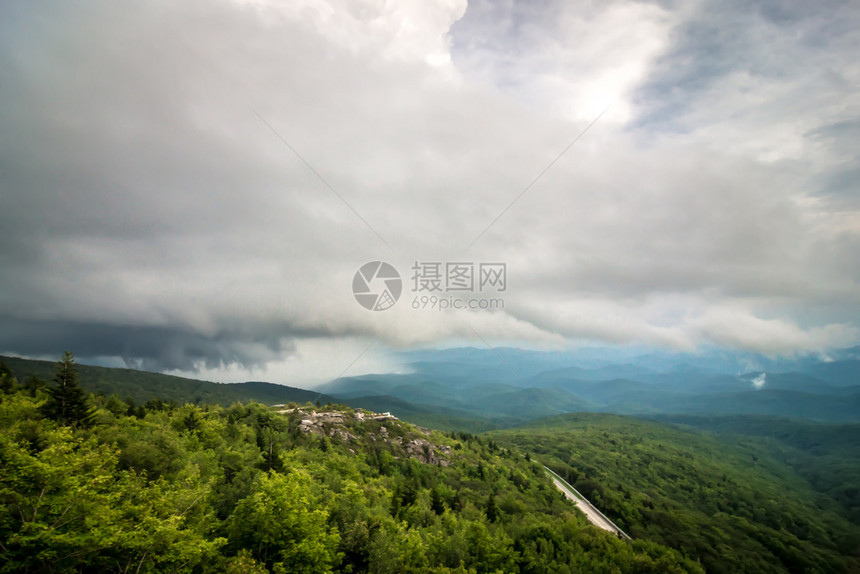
[825, 455]
[198, 488]
[66, 504]
[282, 521]
[734, 505]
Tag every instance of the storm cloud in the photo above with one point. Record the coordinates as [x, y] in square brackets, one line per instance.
[190, 186]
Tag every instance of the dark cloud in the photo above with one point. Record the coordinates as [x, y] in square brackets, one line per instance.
[148, 213]
[150, 348]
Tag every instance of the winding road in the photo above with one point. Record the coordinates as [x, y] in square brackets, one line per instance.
[591, 512]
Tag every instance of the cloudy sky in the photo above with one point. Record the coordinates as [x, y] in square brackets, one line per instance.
[190, 186]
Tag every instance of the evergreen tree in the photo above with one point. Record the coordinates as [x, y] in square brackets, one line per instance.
[8, 382]
[33, 383]
[492, 510]
[66, 401]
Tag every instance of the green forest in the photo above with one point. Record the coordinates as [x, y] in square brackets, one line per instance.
[93, 483]
[772, 496]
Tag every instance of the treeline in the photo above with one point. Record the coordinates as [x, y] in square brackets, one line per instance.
[735, 505]
[142, 386]
[95, 484]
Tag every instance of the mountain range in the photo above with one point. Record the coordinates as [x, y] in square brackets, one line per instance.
[475, 389]
[498, 386]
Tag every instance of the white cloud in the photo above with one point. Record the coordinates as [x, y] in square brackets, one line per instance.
[741, 329]
[141, 190]
[570, 59]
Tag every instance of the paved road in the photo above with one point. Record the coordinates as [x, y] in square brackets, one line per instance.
[591, 512]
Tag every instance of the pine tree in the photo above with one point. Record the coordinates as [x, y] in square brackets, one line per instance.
[492, 511]
[33, 383]
[66, 401]
[8, 382]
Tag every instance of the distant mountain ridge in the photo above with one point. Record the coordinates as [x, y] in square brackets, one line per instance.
[481, 389]
[497, 384]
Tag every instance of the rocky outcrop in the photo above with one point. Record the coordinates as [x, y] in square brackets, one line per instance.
[401, 438]
[425, 451]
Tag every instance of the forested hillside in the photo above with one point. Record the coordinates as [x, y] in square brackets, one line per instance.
[827, 456]
[733, 502]
[94, 483]
[98, 485]
[142, 386]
